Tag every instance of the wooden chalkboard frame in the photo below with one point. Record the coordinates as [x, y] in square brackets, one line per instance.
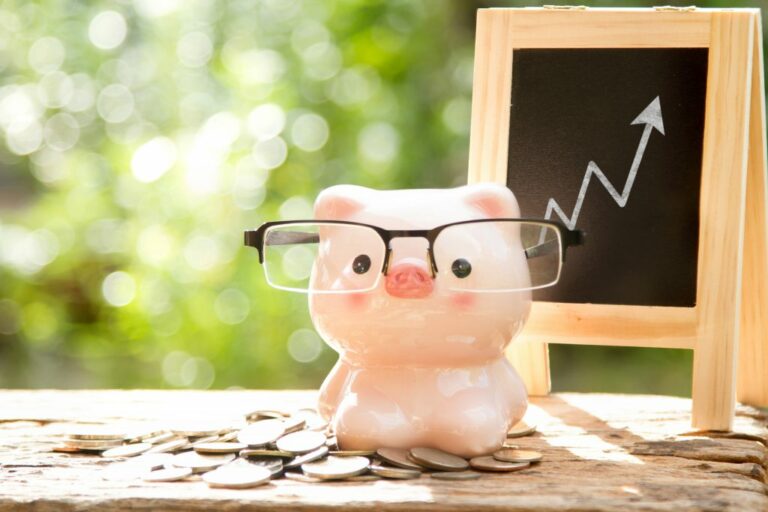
[727, 327]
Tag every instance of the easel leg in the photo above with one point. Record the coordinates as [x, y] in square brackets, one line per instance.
[722, 214]
[531, 360]
[714, 390]
[753, 345]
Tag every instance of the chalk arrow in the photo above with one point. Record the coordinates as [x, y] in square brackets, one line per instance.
[651, 118]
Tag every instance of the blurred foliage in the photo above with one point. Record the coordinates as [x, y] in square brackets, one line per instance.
[141, 137]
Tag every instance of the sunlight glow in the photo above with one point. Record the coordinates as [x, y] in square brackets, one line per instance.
[575, 440]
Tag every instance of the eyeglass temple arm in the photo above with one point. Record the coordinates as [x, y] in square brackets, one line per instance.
[542, 249]
[291, 237]
[256, 237]
[570, 237]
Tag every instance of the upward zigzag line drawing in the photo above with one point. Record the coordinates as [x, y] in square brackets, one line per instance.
[651, 118]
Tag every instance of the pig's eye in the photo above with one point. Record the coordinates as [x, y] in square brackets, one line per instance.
[461, 268]
[361, 264]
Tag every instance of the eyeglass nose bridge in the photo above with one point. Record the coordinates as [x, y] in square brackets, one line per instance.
[410, 234]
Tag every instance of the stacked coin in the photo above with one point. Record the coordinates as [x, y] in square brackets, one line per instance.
[271, 444]
[93, 439]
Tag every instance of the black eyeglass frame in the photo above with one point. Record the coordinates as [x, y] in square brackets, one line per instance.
[568, 237]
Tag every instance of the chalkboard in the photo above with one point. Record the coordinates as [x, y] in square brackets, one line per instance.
[684, 261]
[631, 120]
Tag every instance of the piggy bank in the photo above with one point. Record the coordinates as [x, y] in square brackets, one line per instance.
[421, 359]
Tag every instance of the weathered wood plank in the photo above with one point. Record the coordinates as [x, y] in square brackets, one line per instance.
[602, 452]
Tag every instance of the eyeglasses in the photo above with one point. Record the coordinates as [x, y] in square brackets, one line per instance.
[486, 255]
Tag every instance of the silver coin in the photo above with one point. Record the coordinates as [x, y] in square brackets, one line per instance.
[199, 463]
[517, 455]
[488, 463]
[198, 429]
[167, 475]
[95, 445]
[397, 457]
[127, 450]
[293, 424]
[140, 435]
[162, 437]
[521, 429]
[261, 433]
[169, 446]
[218, 447]
[205, 439]
[363, 478]
[229, 436]
[264, 414]
[307, 457]
[301, 442]
[350, 453]
[275, 466]
[62, 448]
[262, 452]
[301, 477]
[396, 473]
[438, 459]
[333, 468]
[312, 420]
[455, 475]
[100, 433]
[237, 477]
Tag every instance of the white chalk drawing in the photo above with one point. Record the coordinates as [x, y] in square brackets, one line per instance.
[651, 118]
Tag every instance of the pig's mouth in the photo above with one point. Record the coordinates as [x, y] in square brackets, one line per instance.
[409, 280]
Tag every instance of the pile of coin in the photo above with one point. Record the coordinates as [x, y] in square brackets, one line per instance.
[272, 444]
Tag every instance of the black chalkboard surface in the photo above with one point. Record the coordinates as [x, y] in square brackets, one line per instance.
[625, 127]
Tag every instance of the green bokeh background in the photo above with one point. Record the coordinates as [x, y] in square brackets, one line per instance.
[129, 167]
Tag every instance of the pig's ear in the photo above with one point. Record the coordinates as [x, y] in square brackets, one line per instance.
[338, 203]
[493, 200]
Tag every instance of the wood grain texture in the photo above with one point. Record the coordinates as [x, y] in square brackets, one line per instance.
[607, 28]
[752, 382]
[601, 453]
[492, 83]
[624, 326]
[721, 219]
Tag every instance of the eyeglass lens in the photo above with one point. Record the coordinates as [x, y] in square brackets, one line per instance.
[476, 256]
[323, 257]
[498, 256]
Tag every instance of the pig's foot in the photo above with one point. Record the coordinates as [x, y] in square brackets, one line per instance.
[369, 420]
[473, 422]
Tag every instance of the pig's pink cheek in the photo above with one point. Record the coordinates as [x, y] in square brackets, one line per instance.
[463, 300]
[357, 301]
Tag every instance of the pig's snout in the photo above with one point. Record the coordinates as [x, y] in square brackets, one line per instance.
[409, 280]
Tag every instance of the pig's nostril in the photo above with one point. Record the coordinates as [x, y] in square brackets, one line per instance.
[410, 275]
[409, 281]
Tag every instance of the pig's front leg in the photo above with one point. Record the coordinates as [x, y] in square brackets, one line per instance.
[332, 390]
[371, 414]
[514, 388]
[475, 408]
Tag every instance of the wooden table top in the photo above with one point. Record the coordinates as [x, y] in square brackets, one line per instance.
[601, 452]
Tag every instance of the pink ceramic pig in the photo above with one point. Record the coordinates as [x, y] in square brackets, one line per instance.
[421, 365]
